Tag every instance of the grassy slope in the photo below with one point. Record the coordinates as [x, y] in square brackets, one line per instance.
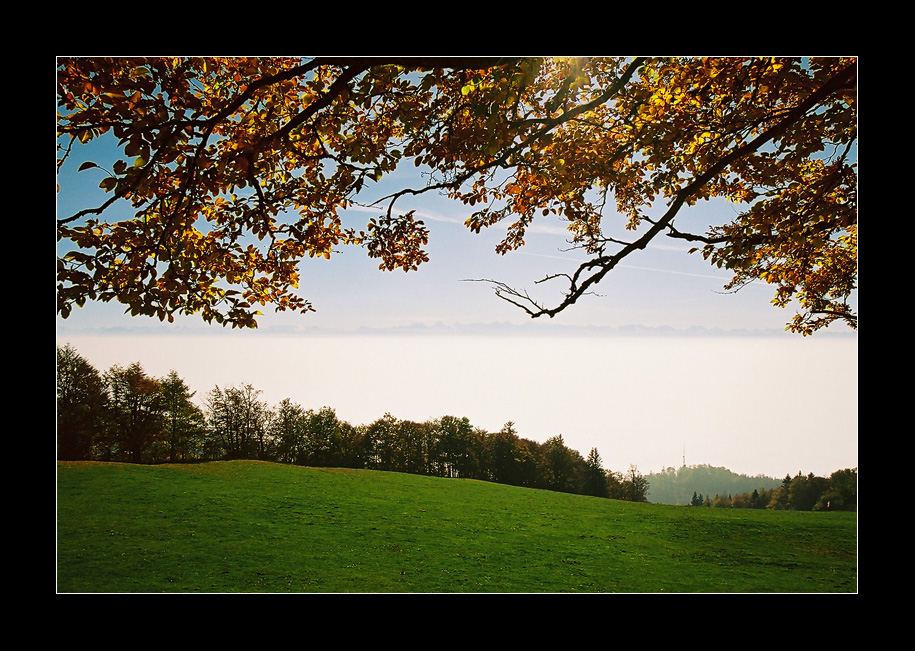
[258, 527]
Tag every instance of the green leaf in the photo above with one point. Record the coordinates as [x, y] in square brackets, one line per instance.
[87, 165]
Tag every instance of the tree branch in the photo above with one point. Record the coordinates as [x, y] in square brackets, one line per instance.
[581, 283]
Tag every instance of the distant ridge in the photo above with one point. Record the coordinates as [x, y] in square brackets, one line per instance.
[460, 329]
[676, 486]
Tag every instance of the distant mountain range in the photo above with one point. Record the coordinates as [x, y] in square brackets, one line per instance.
[544, 328]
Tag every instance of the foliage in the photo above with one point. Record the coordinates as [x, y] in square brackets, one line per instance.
[288, 430]
[677, 485]
[142, 419]
[238, 424]
[631, 486]
[458, 447]
[81, 403]
[804, 492]
[258, 527]
[185, 423]
[842, 494]
[511, 459]
[135, 412]
[322, 438]
[594, 479]
[234, 170]
[126, 415]
[559, 464]
[382, 445]
[838, 492]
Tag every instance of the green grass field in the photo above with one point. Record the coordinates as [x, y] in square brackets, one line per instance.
[258, 527]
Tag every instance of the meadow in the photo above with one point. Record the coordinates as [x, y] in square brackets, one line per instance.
[246, 526]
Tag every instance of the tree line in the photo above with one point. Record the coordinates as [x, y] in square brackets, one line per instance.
[838, 492]
[721, 488]
[126, 415]
[677, 485]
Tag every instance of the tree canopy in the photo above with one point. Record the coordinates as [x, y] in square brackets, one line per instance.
[232, 170]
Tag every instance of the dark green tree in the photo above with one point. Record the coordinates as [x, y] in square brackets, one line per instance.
[842, 494]
[460, 447]
[382, 444]
[557, 464]
[354, 446]
[635, 486]
[594, 480]
[779, 499]
[503, 455]
[529, 463]
[185, 424]
[135, 412]
[288, 428]
[239, 423]
[805, 492]
[321, 445]
[413, 444]
[81, 404]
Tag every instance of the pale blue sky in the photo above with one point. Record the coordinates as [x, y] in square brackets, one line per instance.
[772, 403]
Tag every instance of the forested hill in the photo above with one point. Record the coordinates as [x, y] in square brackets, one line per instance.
[677, 486]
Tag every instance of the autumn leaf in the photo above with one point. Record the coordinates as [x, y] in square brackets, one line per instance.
[218, 151]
